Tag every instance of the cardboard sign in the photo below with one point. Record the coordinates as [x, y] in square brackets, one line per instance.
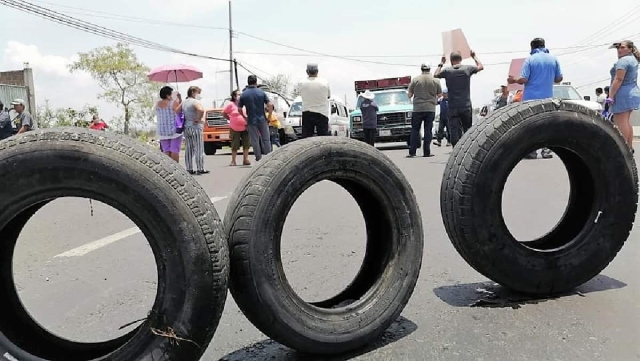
[455, 40]
[514, 70]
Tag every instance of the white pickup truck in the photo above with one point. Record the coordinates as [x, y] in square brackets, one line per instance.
[568, 92]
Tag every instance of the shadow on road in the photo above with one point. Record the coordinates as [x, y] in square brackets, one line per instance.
[271, 350]
[380, 146]
[489, 294]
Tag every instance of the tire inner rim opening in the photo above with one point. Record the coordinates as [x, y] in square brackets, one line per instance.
[16, 322]
[580, 205]
[381, 242]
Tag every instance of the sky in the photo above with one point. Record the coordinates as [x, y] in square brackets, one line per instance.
[404, 34]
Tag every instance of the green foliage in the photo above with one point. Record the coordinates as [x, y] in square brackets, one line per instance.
[48, 117]
[123, 79]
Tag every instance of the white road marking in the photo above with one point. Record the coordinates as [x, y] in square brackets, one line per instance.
[90, 247]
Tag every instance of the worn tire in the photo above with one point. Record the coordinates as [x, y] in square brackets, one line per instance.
[254, 221]
[600, 212]
[167, 204]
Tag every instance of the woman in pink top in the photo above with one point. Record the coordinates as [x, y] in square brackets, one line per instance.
[238, 133]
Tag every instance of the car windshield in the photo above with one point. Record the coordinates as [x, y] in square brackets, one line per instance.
[399, 97]
[296, 110]
[566, 93]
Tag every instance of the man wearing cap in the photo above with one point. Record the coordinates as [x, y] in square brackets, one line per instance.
[6, 129]
[539, 72]
[254, 100]
[458, 77]
[425, 91]
[24, 122]
[315, 93]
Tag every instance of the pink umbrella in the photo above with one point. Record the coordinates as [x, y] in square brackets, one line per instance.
[177, 73]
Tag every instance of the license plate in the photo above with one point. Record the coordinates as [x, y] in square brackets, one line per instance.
[385, 133]
[224, 136]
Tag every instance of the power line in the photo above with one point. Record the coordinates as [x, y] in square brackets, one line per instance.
[357, 58]
[84, 26]
[600, 32]
[114, 16]
[582, 47]
[244, 66]
[594, 83]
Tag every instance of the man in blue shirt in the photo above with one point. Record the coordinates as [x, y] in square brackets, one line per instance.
[444, 120]
[539, 72]
[254, 100]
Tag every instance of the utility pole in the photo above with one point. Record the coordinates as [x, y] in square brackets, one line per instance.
[230, 51]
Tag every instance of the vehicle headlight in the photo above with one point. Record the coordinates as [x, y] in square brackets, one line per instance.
[357, 119]
[409, 114]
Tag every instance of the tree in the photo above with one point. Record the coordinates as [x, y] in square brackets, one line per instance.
[69, 117]
[281, 84]
[278, 84]
[295, 92]
[122, 77]
[47, 117]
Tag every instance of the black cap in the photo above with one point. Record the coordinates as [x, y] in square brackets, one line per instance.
[537, 43]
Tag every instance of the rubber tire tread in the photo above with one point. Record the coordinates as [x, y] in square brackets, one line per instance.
[207, 251]
[465, 167]
[249, 199]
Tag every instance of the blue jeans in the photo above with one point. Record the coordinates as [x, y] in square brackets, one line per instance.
[416, 124]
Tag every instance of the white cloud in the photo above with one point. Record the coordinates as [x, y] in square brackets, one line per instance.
[52, 79]
[17, 54]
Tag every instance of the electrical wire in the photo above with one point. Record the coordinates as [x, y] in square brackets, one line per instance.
[358, 58]
[417, 56]
[594, 83]
[109, 15]
[608, 28]
[114, 16]
[84, 26]
[246, 67]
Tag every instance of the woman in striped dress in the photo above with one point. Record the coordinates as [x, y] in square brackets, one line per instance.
[193, 131]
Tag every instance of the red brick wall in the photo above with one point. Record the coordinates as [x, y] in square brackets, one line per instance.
[15, 77]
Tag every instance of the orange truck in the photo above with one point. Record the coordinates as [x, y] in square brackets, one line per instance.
[216, 130]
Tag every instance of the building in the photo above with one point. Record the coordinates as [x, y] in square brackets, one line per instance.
[18, 84]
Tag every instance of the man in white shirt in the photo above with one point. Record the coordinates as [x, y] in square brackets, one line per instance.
[315, 94]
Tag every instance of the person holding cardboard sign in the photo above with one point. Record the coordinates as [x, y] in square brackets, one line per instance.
[539, 72]
[458, 77]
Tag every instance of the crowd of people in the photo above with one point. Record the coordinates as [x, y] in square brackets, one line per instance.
[252, 120]
[254, 124]
[540, 71]
[23, 121]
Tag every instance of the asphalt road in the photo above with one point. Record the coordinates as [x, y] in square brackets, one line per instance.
[83, 272]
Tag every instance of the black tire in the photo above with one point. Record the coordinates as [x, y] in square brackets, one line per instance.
[167, 204]
[599, 215]
[210, 148]
[254, 221]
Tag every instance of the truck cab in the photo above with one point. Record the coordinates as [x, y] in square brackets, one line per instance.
[395, 109]
[216, 127]
[566, 91]
[216, 130]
